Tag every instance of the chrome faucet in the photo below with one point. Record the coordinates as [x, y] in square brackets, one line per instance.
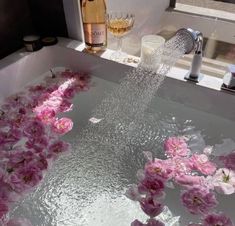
[193, 41]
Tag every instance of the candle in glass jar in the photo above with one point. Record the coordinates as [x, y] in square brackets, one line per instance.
[150, 44]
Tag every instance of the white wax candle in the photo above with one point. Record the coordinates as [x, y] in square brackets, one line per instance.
[149, 45]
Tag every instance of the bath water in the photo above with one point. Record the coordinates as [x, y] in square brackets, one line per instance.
[86, 187]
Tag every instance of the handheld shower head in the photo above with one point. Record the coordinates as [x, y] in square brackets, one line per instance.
[191, 39]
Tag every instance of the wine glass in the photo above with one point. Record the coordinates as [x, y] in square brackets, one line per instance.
[119, 24]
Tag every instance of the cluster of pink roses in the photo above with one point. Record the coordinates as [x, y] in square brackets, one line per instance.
[196, 174]
[30, 136]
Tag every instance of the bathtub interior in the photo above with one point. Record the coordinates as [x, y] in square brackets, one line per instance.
[87, 187]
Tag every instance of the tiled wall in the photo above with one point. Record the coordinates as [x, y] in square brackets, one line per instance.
[19, 18]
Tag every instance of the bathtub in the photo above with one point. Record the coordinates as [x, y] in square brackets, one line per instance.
[86, 187]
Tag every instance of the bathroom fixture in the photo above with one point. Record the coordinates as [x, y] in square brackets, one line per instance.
[229, 80]
[193, 40]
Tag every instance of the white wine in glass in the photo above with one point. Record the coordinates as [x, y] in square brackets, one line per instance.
[119, 24]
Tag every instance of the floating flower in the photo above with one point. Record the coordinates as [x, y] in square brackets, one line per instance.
[190, 181]
[28, 144]
[181, 166]
[224, 181]
[150, 222]
[229, 160]
[151, 206]
[10, 137]
[62, 125]
[19, 159]
[37, 144]
[151, 186]
[16, 101]
[45, 115]
[202, 164]
[18, 119]
[176, 146]
[65, 106]
[214, 219]
[34, 129]
[53, 102]
[41, 162]
[160, 169]
[198, 200]
[69, 92]
[58, 147]
[25, 178]
[7, 195]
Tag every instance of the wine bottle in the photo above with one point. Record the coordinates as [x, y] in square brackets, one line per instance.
[94, 26]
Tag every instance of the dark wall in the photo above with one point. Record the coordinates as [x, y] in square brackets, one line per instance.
[15, 21]
[48, 17]
[23, 17]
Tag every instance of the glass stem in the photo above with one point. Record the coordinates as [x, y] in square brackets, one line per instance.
[119, 44]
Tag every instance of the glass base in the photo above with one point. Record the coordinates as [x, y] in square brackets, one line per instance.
[119, 56]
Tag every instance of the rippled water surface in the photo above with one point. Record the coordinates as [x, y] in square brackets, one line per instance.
[86, 187]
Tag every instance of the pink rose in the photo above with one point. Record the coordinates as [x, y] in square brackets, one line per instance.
[198, 200]
[202, 164]
[7, 195]
[25, 178]
[160, 169]
[229, 160]
[11, 137]
[217, 219]
[34, 129]
[20, 159]
[58, 147]
[65, 106]
[151, 207]
[53, 102]
[180, 165]
[37, 144]
[189, 181]
[176, 146]
[69, 92]
[45, 115]
[151, 186]
[62, 125]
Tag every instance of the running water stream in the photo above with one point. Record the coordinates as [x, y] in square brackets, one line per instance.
[116, 121]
